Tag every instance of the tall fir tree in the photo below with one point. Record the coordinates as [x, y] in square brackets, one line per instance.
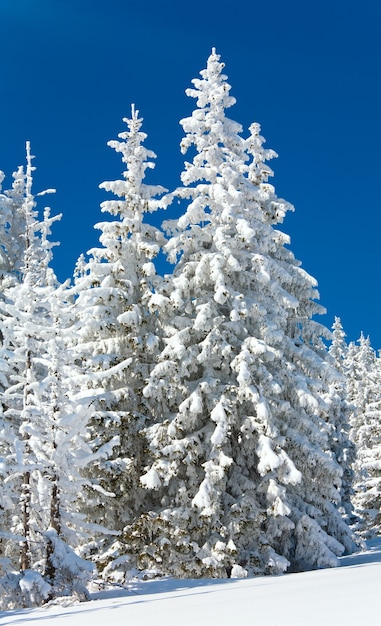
[16, 208]
[116, 327]
[46, 439]
[6, 432]
[241, 469]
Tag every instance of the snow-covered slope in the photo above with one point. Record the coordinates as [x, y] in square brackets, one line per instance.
[345, 596]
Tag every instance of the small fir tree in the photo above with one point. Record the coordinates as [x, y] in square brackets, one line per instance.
[364, 388]
[12, 227]
[339, 421]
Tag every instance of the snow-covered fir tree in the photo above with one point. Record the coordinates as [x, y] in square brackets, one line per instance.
[364, 390]
[338, 348]
[117, 342]
[12, 242]
[12, 249]
[6, 435]
[340, 417]
[12, 226]
[45, 430]
[241, 470]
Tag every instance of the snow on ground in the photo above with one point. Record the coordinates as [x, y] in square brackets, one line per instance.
[344, 596]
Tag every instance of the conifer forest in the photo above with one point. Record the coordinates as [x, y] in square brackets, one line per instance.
[200, 423]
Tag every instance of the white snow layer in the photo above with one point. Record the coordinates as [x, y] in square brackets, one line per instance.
[343, 596]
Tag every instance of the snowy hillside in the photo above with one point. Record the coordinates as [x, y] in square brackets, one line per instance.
[345, 596]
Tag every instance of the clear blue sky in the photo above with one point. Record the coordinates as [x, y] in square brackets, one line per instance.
[309, 72]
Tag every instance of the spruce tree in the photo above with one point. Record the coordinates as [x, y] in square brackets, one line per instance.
[339, 421]
[45, 439]
[12, 226]
[6, 432]
[117, 342]
[364, 388]
[241, 470]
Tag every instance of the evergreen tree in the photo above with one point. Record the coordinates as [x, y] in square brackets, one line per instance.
[16, 447]
[11, 202]
[45, 439]
[338, 348]
[12, 227]
[241, 469]
[364, 384]
[117, 341]
[339, 420]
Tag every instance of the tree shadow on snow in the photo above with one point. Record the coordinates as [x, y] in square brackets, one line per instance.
[160, 585]
[371, 554]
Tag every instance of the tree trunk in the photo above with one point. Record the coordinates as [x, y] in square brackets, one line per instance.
[25, 557]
